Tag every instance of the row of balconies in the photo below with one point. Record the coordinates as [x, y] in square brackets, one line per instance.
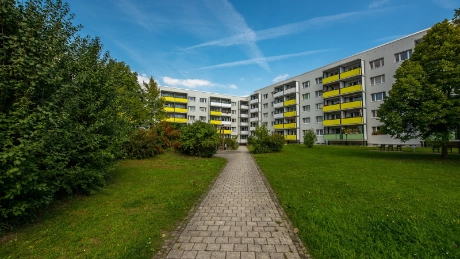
[216, 113]
[359, 136]
[177, 120]
[285, 92]
[178, 110]
[343, 106]
[218, 122]
[244, 107]
[342, 91]
[217, 104]
[345, 121]
[285, 126]
[344, 75]
[175, 99]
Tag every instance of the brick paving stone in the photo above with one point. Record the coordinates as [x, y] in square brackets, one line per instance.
[237, 219]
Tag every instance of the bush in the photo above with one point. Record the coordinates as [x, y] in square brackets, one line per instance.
[309, 138]
[265, 143]
[231, 143]
[199, 139]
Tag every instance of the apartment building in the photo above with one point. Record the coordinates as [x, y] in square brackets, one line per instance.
[338, 101]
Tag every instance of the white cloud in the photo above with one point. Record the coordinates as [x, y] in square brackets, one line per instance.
[280, 78]
[379, 3]
[266, 59]
[142, 78]
[194, 83]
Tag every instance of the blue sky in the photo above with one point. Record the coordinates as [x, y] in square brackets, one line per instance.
[237, 46]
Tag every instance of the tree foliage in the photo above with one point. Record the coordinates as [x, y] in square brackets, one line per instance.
[61, 111]
[199, 139]
[264, 142]
[309, 138]
[424, 102]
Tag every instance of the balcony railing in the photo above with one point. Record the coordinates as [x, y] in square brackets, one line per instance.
[254, 101]
[351, 89]
[330, 93]
[278, 115]
[277, 105]
[244, 123]
[244, 107]
[181, 110]
[290, 137]
[290, 102]
[169, 109]
[351, 105]
[331, 122]
[355, 120]
[290, 125]
[243, 115]
[244, 132]
[225, 132]
[254, 119]
[334, 107]
[252, 128]
[253, 110]
[216, 113]
[278, 94]
[353, 136]
[330, 79]
[215, 122]
[278, 126]
[289, 114]
[290, 90]
[354, 72]
[331, 137]
[177, 120]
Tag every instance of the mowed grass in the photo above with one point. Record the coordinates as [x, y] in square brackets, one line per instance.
[130, 218]
[355, 202]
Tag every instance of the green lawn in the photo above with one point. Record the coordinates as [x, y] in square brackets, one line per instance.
[355, 202]
[130, 218]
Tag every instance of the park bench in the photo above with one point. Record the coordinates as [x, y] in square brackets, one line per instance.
[399, 147]
[390, 147]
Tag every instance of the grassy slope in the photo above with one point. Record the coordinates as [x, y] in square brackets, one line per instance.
[350, 202]
[128, 219]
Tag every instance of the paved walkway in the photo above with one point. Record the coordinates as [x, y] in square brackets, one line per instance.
[237, 219]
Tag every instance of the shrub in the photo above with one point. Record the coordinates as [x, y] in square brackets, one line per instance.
[199, 139]
[309, 138]
[144, 144]
[263, 142]
[231, 143]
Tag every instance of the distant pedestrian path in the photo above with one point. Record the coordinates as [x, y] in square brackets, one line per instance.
[237, 219]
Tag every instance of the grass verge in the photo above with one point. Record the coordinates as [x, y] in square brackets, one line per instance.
[130, 218]
[355, 202]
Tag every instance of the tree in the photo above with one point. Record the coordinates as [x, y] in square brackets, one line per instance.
[309, 138]
[199, 139]
[424, 102]
[154, 103]
[263, 142]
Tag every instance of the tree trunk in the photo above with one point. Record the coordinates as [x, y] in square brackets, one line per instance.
[444, 152]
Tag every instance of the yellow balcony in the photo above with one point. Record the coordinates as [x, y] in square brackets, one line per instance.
[215, 122]
[354, 72]
[169, 109]
[181, 100]
[227, 132]
[330, 93]
[331, 122]
[351, 105]
[329, 108]
[289, 114]
[351, 89]
[290, 125]
[216, 113]
[290, 137]
[355, 120]
[180, 120]
[330, 79]
[170, 120]
[181, 110]
[169, 99]
[290, 102]
[278, 126]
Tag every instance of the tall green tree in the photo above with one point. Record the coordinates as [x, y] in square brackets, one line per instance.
[60, 127]
[424, 102]
[154, 103]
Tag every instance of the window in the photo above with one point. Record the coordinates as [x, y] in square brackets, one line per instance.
[233, 111]
[403, 55]
[202, 118]
[203, 109]
[306, 120]
[376, 63]
[191, 99]
[318, 93]
[375, 129]
[233, 120]
[266, 115]
[233, 129]
[306, 108]
[320, 132]
[319, 106]
[319, 80]
[374, 114]
[202, 100]
[319, 119]
[265, 105]
[306, 84]
[191, 118]
[265, 124]
[191, 108]
[306, 96]
[233, 103]
[378, 80]
[265, 96]
[378, 96]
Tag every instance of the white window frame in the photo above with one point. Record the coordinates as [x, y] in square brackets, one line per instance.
[374, 113]
[319, 80]
[202, 100]
[202, 109]
[191, 117]
[306, 84]
[203, 118]
[319, 132]
[319, 93]
[306, 120]
[306, 108]
[375, 95]
[399, 55]
[191, 99]
[377, 63]
[319, 106]
[191, 108]
[305, 95]
[319, 119]
[376, 80]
